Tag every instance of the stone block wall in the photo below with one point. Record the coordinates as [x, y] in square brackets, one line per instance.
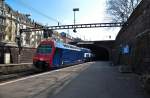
[135, 34]
[24, 57]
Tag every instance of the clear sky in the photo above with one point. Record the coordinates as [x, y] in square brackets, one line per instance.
[90, 11]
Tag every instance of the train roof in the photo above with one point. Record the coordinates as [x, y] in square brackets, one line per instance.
[62, 45]
[85, 49]
[59, 44]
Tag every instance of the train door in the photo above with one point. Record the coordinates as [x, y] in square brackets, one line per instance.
[57, 61]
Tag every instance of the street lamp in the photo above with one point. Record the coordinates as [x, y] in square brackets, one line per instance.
[74, 10]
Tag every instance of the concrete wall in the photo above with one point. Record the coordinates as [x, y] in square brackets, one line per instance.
[135, 34]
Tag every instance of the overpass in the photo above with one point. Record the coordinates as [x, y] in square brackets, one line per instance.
[101, 49]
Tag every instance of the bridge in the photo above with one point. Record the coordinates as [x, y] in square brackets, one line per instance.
[60, 27]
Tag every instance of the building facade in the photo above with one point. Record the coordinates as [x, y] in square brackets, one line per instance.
[11, 22]
[18, 46]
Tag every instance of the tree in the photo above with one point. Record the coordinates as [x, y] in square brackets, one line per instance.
[120, 10]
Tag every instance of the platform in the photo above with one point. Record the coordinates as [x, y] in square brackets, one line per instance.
[88, 80]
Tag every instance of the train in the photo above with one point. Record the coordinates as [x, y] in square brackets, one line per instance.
[52, 54]
[87, 54]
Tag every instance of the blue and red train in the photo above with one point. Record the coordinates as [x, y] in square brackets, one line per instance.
[54, 54]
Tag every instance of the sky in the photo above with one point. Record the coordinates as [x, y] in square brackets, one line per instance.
[49, 12]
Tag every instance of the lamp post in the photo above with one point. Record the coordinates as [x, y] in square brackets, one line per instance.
[74, 10]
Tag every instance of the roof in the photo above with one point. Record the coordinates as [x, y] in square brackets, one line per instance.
[62, 45]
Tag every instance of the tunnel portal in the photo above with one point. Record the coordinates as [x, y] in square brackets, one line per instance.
[100, 49]
[100, 54]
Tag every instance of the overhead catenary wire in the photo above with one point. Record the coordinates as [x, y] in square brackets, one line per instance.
[36, 11]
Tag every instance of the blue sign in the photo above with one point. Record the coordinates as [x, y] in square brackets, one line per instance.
[126, 49]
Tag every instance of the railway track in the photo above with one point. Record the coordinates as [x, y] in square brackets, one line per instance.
[13, 76]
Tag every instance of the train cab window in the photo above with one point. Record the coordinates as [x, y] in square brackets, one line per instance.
[44, 49]
[85, 55]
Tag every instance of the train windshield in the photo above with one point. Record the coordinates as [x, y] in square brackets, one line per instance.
[44, 49]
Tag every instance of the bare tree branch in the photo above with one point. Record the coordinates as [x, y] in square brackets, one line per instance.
[120, 10]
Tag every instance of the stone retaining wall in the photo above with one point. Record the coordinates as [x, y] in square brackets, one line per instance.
[136, 35]
[24, 57]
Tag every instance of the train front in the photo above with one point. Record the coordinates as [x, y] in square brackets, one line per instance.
[44, 55]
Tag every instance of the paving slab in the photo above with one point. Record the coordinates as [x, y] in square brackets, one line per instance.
[101, 80]
[32, 86]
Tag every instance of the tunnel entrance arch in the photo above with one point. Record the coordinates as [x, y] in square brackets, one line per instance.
[101, 49]
[100, 53]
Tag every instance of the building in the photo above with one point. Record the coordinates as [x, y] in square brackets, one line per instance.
[66, 37]
[17, 45]
[11, 22]
[63, 37]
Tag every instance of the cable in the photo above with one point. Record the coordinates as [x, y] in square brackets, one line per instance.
[35, 10]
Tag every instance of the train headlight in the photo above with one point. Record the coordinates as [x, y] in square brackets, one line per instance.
[41, 59]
